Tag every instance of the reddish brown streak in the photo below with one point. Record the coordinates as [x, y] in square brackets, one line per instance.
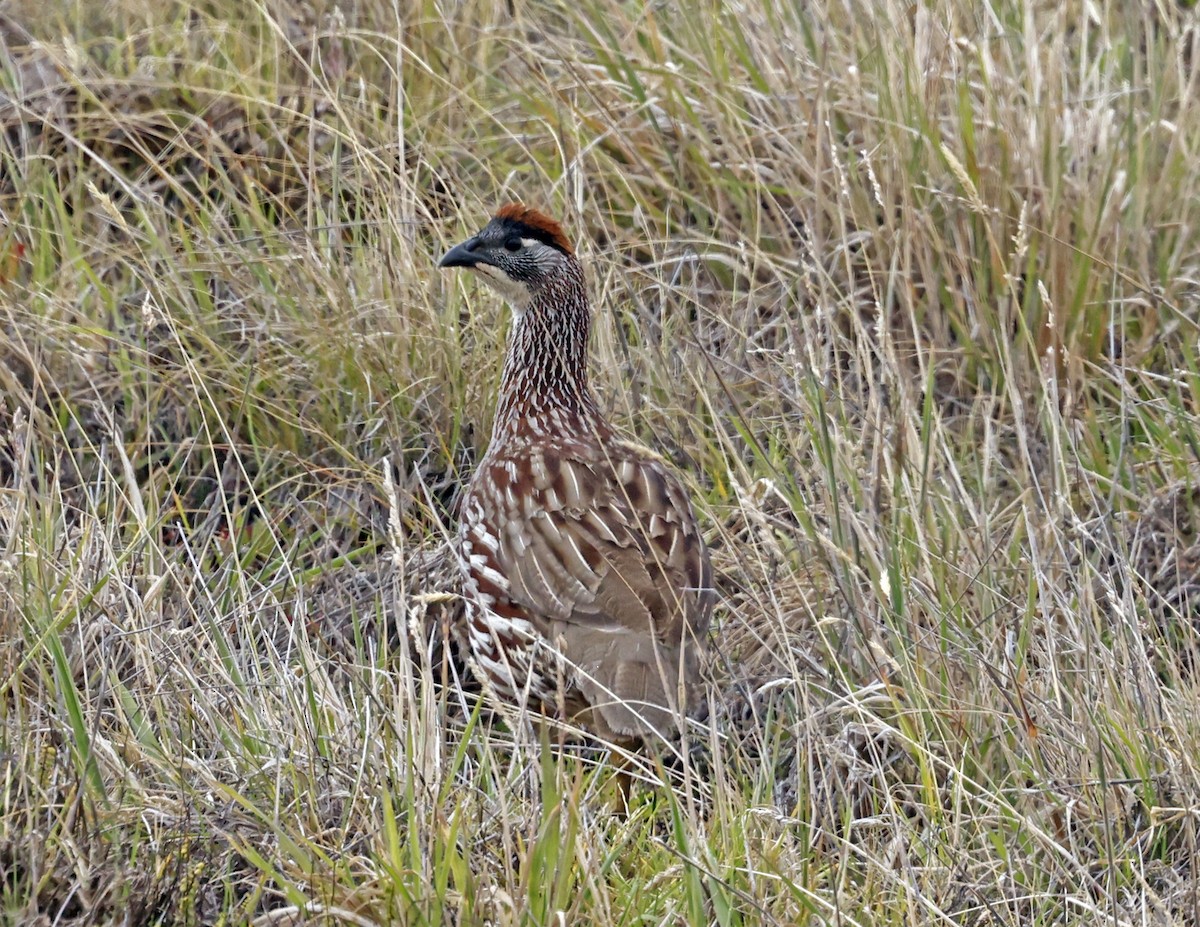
[519, 212]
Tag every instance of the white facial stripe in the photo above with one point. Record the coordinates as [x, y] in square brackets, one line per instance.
[515, 292]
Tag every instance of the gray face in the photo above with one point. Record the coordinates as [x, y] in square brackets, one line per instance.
[510, 258]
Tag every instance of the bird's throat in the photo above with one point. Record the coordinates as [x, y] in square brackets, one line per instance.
[545, 369]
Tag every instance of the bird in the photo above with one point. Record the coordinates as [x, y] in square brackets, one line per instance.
[587, 584]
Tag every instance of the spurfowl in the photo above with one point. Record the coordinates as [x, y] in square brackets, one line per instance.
[588, 585]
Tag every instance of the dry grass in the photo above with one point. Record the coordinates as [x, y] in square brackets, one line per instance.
[912, 292]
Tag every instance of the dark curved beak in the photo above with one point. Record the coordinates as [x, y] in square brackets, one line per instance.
[463, 255]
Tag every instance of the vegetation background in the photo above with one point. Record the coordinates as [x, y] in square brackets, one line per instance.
[910, 292]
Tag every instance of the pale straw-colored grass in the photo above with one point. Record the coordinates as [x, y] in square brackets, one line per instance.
[909, 292]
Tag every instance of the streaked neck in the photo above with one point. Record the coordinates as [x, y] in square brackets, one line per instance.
[545, 383]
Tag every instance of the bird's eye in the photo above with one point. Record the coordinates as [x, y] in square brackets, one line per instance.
[513, 244]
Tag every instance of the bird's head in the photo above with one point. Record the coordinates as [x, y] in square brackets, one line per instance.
[516, 254]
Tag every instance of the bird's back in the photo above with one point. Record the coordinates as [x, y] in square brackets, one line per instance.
[591, 582]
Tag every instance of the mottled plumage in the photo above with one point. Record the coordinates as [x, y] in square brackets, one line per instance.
[587, 582]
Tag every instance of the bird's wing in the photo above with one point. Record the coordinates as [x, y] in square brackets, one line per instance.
[608, 543]
[600, 551]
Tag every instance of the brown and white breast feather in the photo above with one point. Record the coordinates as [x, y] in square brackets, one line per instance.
[585, 564]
